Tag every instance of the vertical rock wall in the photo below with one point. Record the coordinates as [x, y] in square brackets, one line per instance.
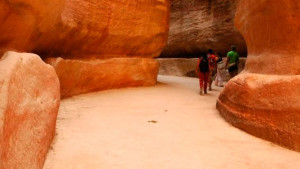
[264, 100]
[197, 25]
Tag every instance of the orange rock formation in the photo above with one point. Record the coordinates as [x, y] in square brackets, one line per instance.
[85, 28]
[29, 102]
[78, 77]
[89, 30]
[264, 100]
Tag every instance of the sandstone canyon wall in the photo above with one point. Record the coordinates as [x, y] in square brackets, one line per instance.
[78, 76]
[29, 102]
[197, 25]
[85, 28]
[88, 30]
[264, 100]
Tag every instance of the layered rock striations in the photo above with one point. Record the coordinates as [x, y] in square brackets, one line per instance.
[29, 102]
[264, 100]
[85, 28]
[197, 25]
[86, 31]
[78, 77]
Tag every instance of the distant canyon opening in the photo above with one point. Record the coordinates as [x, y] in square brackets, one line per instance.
[195, 27]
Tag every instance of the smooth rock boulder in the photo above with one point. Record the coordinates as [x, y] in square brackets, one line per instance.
[85, 28]
[197, 25]
[79, 76]
[29, 103]
[264, 100]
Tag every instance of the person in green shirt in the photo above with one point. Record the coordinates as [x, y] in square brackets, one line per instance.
[232, 63]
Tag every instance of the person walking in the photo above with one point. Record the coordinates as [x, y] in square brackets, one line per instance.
[232, 63]
[202, 70]
[212, 67]
[220, 66]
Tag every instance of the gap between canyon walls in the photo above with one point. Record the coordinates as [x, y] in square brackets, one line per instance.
[195, 27]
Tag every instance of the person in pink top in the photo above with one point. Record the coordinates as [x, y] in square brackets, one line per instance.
[212, 58]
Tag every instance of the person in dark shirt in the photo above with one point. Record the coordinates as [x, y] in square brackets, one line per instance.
[202, 70]
[212, 67]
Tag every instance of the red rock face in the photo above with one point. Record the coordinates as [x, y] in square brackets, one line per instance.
[85, 28]
[28, 109]
[77, 77]
[197, 25]
[264, 100]
[24, 23]
[272, 35]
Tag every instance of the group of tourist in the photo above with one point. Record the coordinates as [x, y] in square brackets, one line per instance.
[209, 68]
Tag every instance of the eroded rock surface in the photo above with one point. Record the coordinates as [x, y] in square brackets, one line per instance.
[29, 102]
[177, 66]
[197, 25]
[89, 30]
[264, 100]
[85, 28]
[77, 77]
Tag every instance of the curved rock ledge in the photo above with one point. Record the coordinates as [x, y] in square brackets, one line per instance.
[264, 100]
[78, 76]
[267, 106]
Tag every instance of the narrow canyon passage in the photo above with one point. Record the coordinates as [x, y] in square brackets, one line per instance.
[169, 126]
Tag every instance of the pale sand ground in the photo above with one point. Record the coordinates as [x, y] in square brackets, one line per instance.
[110, 130]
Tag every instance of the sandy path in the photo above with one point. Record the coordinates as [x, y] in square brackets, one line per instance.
[110, 130]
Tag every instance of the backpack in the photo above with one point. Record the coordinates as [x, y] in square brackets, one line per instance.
[203, 66]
